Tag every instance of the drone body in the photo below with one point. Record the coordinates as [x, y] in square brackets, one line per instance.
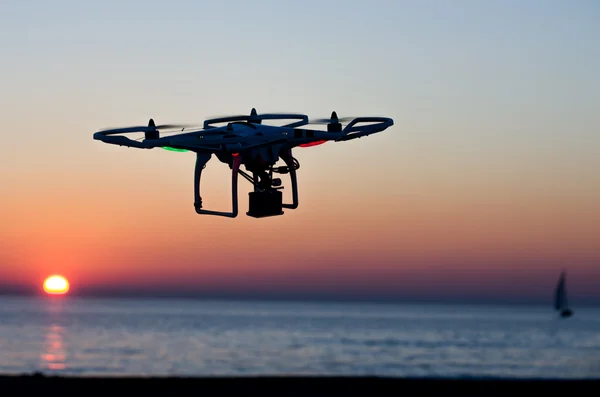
[245, 140]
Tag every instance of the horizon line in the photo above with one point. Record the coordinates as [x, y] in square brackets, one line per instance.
[146, 295]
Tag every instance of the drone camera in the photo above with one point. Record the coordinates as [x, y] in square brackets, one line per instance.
[281, 170]
[265, 203]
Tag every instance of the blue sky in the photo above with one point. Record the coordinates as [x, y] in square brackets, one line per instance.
[492, 73]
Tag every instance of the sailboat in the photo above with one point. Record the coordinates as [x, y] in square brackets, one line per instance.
[560, 297]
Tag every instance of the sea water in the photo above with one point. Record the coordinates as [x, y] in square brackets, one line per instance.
[118, 337]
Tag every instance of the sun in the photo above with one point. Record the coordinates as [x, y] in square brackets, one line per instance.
[56, 285]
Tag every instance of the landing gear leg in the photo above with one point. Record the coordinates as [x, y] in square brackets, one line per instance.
[201, 160]
[289, 161]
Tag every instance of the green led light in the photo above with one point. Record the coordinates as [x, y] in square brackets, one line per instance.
[172, 149]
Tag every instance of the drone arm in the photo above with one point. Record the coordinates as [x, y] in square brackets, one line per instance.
[351, 131]
[201, 160]
[289, 161]
[121, 140]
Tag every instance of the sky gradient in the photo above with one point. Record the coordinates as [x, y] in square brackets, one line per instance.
[486, 187]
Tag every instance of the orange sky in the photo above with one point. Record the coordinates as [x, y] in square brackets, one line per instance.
[393, 234]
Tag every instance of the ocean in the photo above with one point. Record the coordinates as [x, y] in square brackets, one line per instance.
[117, 337]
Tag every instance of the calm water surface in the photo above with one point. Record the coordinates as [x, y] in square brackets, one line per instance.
[186, 337]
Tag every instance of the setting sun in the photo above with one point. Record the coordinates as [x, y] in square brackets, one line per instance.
[56, 285]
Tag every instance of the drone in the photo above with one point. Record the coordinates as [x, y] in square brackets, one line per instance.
[246, 140]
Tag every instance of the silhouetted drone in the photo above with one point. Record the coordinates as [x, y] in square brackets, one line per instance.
[246, 140]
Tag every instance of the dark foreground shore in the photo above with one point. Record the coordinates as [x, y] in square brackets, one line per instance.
[38, 385]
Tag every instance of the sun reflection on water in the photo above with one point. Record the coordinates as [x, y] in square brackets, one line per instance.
[54, 352]
[54, 355]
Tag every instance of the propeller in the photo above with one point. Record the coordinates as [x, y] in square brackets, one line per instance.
[334, 123]
[167, 126]
[151, 131]
[253, 117]
[332, 120]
